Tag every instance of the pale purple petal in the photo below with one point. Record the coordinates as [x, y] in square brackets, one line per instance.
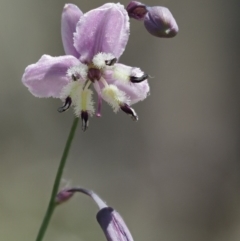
[70, 16]
[47, 77]
[105, 29]
[135, 91]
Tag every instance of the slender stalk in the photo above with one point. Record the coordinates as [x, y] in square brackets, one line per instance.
[52, 204]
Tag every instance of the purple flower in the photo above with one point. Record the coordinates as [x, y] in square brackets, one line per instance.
[93, 43]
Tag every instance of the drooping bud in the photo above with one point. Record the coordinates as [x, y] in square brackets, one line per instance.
[160, 22]
[109, 219]
[136, 10]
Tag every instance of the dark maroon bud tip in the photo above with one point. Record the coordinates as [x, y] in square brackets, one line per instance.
[130, 111]
[160, 22]
[111, 62]
[135, 79]
[66, 105]
[136, 10]
[113, 225]
[85, 122]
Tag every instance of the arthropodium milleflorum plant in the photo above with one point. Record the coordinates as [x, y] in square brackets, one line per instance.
[93, 43]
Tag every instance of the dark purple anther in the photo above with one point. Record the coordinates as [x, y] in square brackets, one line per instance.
[85, 122]
[113, 225]
[111, 62]
[66, 105]
[94, 74]
[160, 22]
[136, 10]
[135, 79]
[130, 111]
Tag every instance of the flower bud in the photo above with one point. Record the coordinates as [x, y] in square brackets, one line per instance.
[110, 220]
[136, 10]
[160, 22]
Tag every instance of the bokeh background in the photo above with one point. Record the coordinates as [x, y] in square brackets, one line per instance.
[173, 175]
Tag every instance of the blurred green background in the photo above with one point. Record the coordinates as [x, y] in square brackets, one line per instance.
[173, 175]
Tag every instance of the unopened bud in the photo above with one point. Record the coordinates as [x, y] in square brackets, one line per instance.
[109, 219]
[158, 20]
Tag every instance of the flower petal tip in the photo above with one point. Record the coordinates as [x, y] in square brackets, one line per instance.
[70, 16]
[108, 32]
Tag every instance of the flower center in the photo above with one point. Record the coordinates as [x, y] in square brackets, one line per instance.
[101, 73]
[94, 74]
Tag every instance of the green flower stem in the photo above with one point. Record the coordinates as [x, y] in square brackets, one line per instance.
[52, 204]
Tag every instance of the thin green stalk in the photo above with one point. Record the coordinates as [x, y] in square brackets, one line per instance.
[52, 204]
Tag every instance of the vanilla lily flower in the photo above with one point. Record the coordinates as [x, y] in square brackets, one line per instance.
[93, 43]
